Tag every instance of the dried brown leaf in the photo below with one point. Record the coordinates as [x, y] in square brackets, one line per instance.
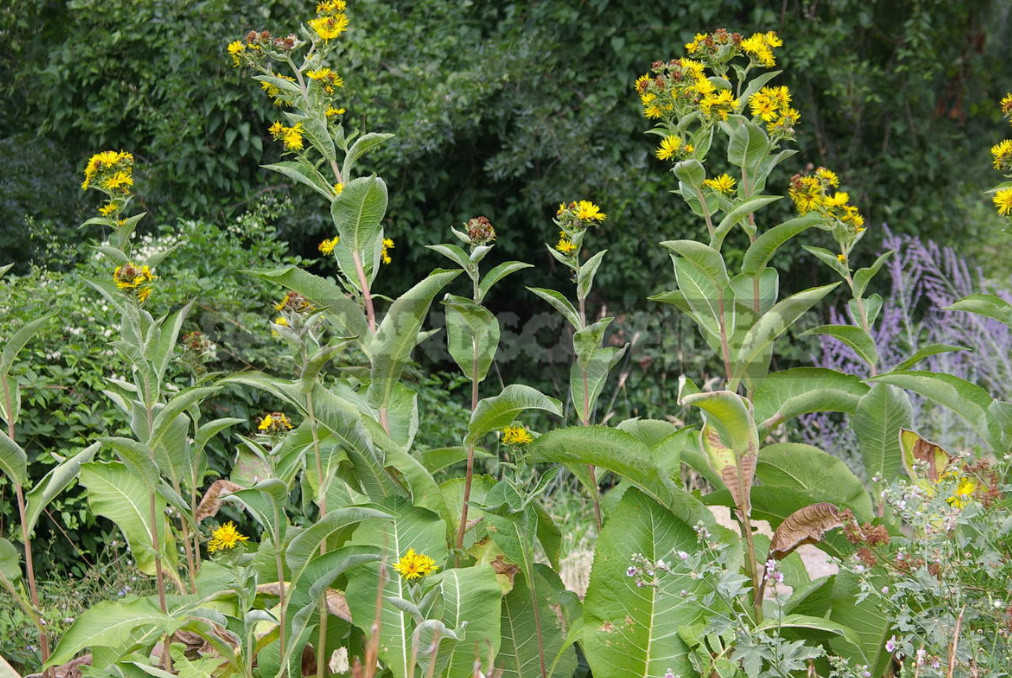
[211, 501]
[805, 526]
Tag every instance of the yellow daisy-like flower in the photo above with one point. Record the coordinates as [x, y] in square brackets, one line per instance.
[759, 48]
[275, 422]
[331, 7]
[769, 103]
[1002, 153]
[703, 87]
[334, 112]
[415, 565]
[291, 137]
[329, 27]
[565, 245]
[327, 78]
[388, 244]
[1006, 105]
[236, 49]
[588, 211]
[1003, 201]
[964, 490]
[132, 277]
[722, 184]
[283, 321]
[225, 537]
[670, 145]
[827, 177]
[103, 166]
[327, 246]
[697, 43]
[273, 91]
[718, 105]
[841, 257]
[338, 189]
[652, 111]
[108, 209]
[516, 435]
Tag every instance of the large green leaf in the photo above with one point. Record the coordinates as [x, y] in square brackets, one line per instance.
[800, 390]
[623, 454]
[472, 336]
[823, 477]
[704, 287]
[966, 399]
[751, 358]
[471, 606]
[117, 494]
[560, 304]
[499, 411]
[766, 245]
[13, 460]
[357, 213]
[880, 415]
[854, 337]
[632, 631]
[362, 145]
[110, 624]
[519, 655]
[867, 618]
[588, 377]
[410, 528]
[10, 562]
[54, 482]
[398, 334]
[988, 305]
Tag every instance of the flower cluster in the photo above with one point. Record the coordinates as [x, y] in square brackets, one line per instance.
[326, 78]
[327, 246]
[291, 137]
[275, 422]
[225, 537]
[772, 105]
[717, 49]
[480, 231]
[330, 21]
[135, 279]
[516, 435]
[415, 565]
[573, 220]
[198, 350]
[812, 193]
[1002, 154]
[293, 301]
[673, 148]
[111, 172]
[678, 87]
[723, 184]
[253, 49]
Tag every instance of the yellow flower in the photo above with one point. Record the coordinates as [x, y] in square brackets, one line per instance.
[388, 244]
[328, 79]
[133, 278]
[236, 49]
[1002, 153]
[338, 189]
[331, 7]
[670, 145]
[415, 565]
[327, 246]
[718, 105]
[565, 245]
[283, 321]
[273, 91]
[333, 112]
[841, 257]
[961, 497]
[1006, 105]
[275, 422]
[827, 177]
[1003, 201]
[703, 86]
[653, 111]
[329, 27]
[291, 137]
[107, 164]
[759, 47]
[224, 538]
[588, 211]
[516, 435]
[293, 301]
[108, 209]
[697, 43]
[722, 184]
[769, 103]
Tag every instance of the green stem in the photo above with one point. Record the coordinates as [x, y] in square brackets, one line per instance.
[468, 478]
[322, 666]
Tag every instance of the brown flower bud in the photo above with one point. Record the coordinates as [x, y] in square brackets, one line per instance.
[480, 231]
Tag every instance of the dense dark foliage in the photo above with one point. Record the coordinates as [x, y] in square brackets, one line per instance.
[502, 109]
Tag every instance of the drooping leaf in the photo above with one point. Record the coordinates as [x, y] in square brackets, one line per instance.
[804, 526]
[472, 336]
[110, 624]
[880, 415]
[854, 337]
[499, 411]
[55, 482]
[13, 460]
[923, 456]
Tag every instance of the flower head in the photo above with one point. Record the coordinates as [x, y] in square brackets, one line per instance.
[565, 245]
[225, 537]
[293, 301]
[279, 97]
[388, 245]
[516, 435]
[328, 79]
[111, 170]
[291, 137]
[964, 490]
[135, 279]
[589, 212]
[480, 230]
[236, 49]
[759, 48]
[327, 246]
[1002, 154]
[718, 106]
[670, 146]
[329, 27]
[722, 184]
[415, 565]
[1003, 201]
[1006, 105]
[275, 422]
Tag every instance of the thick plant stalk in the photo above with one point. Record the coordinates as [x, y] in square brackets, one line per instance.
[322, 665]
[33, 590]
[470, 464]
[595, 493]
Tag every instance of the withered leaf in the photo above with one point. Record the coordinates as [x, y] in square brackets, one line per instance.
[211, 501]
[805, 526]
[930, 455]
